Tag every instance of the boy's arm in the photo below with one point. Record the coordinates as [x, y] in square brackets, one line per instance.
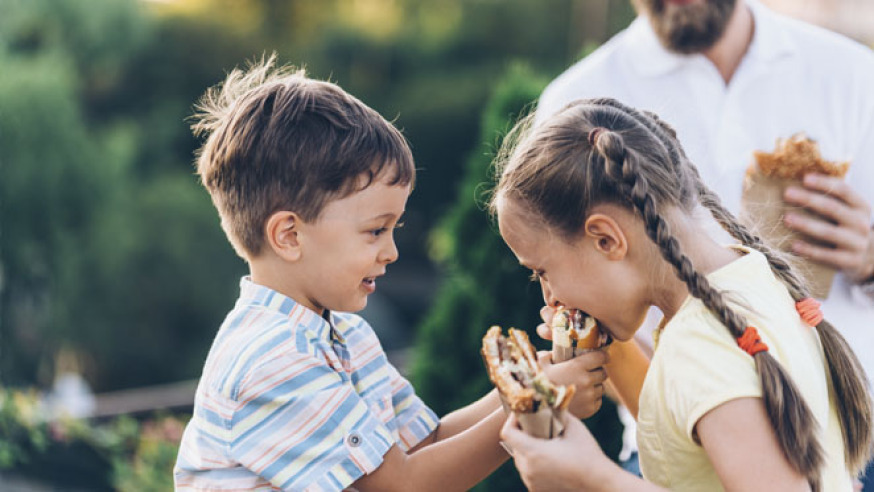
[462, 419]
[452, 462]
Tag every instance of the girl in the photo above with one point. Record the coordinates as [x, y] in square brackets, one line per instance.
[741, 392]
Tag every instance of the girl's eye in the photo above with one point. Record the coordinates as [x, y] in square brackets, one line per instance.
[535, 276]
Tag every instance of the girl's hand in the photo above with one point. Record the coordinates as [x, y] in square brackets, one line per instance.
[573, 461]
[545, 329]
[586, 372]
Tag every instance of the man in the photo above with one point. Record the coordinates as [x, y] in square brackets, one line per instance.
[732, 77]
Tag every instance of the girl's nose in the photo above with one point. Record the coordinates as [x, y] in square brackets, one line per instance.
[548, 298]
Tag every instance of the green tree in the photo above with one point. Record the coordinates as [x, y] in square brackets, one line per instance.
[109, 246]
[484, 285]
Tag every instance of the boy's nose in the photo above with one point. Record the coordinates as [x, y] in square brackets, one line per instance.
[389, 254]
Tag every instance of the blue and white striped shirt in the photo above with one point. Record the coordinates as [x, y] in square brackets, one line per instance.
[291, 401]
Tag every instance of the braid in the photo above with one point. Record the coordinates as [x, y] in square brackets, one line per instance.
[847, 375]
[791, 418]
[623, 168]
[853, 401]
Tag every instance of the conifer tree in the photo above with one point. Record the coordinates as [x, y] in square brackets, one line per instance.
[483, 284]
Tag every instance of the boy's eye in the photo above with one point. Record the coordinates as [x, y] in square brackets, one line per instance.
[378, 232]
[399, 225]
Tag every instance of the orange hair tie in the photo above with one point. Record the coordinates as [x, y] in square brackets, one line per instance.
[808, 309]
[750, 341]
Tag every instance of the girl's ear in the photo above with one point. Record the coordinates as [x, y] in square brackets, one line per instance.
[608, 236]
[282, 235]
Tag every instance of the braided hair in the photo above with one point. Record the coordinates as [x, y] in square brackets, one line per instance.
[599, 150]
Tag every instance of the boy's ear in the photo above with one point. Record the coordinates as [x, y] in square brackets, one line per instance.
[609, 238]
[282, 235]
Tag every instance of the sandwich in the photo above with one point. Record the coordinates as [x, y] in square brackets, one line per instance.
[524, 388]
[573, 333]
[763, 206]
[793, 158]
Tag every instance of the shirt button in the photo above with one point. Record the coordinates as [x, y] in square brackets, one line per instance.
[354, 440]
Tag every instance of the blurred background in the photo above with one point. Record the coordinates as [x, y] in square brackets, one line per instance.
[114, 272]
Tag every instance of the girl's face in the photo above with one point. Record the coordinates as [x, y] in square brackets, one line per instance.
[587, 272]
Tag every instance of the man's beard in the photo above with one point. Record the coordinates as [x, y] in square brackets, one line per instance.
[688, 29]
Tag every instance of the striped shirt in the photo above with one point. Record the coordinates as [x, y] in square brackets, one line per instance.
[289, 400]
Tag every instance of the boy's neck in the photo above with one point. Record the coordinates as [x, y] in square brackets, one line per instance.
[270, 271]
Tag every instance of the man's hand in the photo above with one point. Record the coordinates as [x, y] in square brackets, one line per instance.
[845, 224]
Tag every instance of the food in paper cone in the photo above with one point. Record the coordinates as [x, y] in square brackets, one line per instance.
[573, 333]
[763, 207]
[524, 388]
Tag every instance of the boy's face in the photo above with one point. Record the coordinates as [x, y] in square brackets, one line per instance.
[348, 247]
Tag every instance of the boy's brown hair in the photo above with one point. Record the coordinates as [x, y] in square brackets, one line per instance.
[278, 140]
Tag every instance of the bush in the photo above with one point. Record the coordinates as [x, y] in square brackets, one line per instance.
[119, 454]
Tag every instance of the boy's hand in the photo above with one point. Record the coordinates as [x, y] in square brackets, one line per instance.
[572, 461]
[586, 372]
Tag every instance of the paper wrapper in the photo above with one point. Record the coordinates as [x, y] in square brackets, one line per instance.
[561, 353]
[544, 423]
[763, 207]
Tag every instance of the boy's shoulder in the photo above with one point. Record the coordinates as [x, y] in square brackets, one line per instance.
[263, 330]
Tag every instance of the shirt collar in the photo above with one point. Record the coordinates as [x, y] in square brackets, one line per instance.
[651, 58]
[323, 327]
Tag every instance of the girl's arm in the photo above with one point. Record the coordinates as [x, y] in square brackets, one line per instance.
[626, 371]
[573, 461]
[740, 442]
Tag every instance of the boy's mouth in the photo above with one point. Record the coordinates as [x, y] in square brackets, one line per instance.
[369, 284]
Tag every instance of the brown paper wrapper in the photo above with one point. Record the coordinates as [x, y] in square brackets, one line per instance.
[561, 353]
[544, 423]
[763, 207]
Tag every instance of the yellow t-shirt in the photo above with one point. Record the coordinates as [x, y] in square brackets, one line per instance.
[698, 366]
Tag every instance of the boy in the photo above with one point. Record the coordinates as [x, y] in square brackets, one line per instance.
[295, 393]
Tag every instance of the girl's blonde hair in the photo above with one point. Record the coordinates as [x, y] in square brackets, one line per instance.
[601, 151]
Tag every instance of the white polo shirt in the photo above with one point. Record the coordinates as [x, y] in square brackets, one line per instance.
[795, 78]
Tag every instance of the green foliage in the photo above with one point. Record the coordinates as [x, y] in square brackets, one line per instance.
[99, 253]
[119, 454]
[484, 284]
